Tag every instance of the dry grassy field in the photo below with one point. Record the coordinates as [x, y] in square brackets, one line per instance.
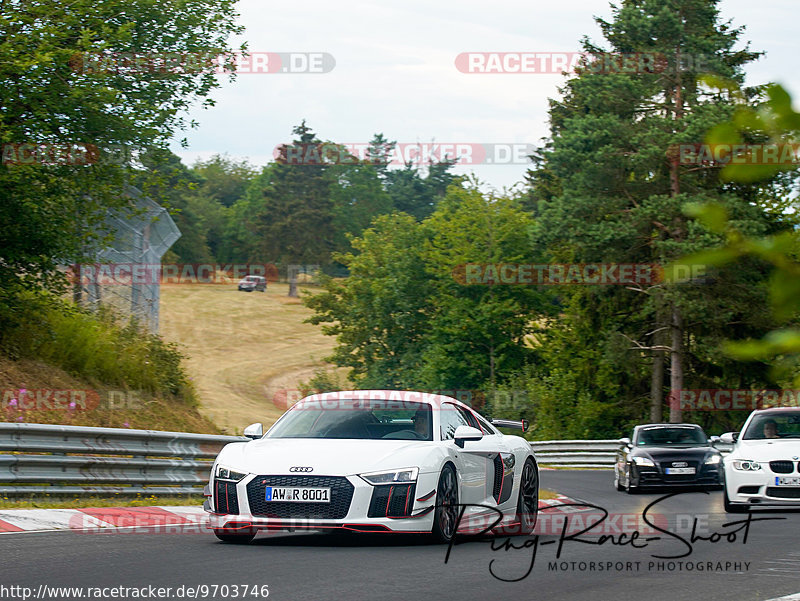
[244, 349]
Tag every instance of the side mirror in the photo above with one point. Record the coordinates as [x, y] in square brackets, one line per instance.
[254, 431]
[729, 437]
[625, 442]
[465, 433]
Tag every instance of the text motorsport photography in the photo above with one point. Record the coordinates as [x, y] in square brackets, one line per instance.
[666, 541]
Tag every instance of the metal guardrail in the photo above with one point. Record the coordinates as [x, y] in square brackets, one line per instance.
[49, 459]
[584, 453]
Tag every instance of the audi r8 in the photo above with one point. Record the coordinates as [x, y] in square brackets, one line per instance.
[376, 461]
[667, 455]
[763, 468]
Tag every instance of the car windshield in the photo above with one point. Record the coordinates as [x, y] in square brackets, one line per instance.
[371, 419]
[251, 278]
[669, 437]
[774, 426]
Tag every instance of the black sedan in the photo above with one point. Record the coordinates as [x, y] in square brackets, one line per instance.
[665, 455]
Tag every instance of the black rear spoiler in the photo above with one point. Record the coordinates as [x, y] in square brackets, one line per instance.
[511, 423]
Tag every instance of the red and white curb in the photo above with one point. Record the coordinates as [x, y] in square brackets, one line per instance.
[153, 520]
[95, 519]
[561, 504]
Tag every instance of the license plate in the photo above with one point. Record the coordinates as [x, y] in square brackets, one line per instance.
[787, 481]
[679, 470]
[297, 494]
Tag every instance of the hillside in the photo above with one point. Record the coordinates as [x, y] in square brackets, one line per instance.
[244, 350]
[43, 381]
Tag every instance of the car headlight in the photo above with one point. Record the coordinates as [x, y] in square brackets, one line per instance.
[226, 473]
[403, 476]
[644, 461]
[713, 459]
[746, 465]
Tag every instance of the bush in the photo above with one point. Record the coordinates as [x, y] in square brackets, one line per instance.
[321, 381]
[98, 347]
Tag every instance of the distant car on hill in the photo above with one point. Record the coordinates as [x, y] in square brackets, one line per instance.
[253, 282]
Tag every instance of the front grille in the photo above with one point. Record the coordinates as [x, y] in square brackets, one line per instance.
[225, 497]
[498, 477]
[392, 501]
[341, 496]
[781, 467]
[783, 493]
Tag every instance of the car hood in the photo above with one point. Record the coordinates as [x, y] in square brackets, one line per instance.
[329, 457]
[677, 453]
[766, 450]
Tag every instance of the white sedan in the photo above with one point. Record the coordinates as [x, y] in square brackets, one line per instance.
[375, 461]
[763, 469]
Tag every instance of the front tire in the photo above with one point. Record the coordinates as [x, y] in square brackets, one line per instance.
[239, 538]
[446, 510]
[528, 502]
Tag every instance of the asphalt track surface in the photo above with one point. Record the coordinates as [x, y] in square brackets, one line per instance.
[309, 567]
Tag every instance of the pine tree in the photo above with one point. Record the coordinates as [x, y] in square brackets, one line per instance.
[295, 222]
[609, 187]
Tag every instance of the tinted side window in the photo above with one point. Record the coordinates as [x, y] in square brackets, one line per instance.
[468, 415]
[487, 429]
[449, 420]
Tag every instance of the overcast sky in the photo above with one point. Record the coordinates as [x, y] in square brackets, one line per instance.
[395, 73]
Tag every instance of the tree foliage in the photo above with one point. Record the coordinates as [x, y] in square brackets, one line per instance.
[53, 96]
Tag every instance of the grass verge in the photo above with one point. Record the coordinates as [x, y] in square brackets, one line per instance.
[61, 364]
[545, 494]
[48, 502]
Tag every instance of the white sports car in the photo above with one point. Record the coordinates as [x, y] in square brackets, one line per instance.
[763, 469]
[375, 461]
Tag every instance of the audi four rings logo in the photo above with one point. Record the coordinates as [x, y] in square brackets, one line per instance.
[679, 464]
[301, 469]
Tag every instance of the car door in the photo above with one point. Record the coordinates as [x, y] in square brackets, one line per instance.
[484, 472]
[500, 477]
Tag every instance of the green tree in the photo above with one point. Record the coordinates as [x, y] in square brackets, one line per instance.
[295, 220]
[224, 180]
[357, 195]
[771, 122]
[477, 331]
[609, 187]
[380, 312]
[417, 195]
[50, 97]
[164, 178]
[404, 317]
